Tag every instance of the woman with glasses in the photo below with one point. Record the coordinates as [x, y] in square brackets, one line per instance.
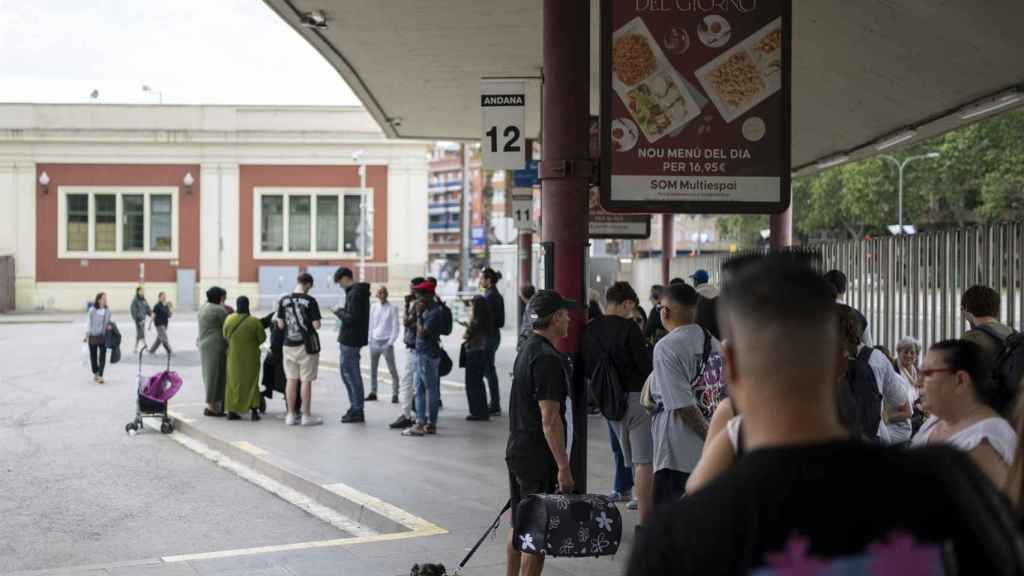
[957, 390]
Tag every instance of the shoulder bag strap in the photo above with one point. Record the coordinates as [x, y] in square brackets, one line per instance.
[991, 333]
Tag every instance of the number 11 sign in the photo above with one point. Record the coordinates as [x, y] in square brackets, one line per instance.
[504, 113]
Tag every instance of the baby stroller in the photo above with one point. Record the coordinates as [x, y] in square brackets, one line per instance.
[153, 393]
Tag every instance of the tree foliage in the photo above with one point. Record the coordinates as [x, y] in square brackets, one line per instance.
[978, 178]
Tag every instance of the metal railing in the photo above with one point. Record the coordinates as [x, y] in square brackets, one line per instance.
[905, 285]
[911, 285]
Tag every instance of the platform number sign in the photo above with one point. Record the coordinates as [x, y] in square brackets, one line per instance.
[503, 103]
[522, 209]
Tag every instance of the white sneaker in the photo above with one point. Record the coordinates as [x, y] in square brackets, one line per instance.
[312, 420]
[291, 420]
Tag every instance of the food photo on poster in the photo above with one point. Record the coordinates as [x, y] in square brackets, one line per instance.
[695, 105]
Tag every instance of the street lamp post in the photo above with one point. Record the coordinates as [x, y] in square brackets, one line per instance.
[358, 157]
[150, 89]
[899, 168]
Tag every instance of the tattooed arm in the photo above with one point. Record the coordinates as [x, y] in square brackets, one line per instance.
[694, 420]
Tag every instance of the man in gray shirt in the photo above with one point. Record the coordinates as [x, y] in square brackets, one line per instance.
[679, 427]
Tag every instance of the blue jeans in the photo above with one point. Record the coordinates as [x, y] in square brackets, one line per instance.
[428, 387]
[491, 372]
[623, 474]
[352, 377]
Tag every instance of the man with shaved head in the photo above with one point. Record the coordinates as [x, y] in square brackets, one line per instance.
[805, 497]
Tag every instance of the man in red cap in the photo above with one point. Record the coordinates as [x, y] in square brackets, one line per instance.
[428, 359]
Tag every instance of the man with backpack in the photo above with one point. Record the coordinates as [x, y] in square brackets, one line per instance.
[1002, 345]
[685, 390]
[430, 325]
[352, 336]
[871, 384]
[617, 360]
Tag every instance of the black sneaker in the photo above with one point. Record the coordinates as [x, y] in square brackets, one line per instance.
[353, 418]
[495, 411]
[402, 423]
[371, 398]
[473, 418]
[233, 416]
[255, 415]
[394, 398]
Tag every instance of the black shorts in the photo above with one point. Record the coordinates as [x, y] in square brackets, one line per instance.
[526, 483]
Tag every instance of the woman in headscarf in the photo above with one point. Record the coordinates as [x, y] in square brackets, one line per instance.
[243, 334]
[213, 349]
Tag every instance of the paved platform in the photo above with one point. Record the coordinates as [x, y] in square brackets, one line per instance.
[453, 483]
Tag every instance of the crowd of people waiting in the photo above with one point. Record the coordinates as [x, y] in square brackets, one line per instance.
[763, 428]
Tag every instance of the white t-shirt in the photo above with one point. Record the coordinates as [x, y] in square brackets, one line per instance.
[995, 430]
[732, 427]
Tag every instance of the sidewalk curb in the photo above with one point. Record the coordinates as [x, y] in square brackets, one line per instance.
[318, 492]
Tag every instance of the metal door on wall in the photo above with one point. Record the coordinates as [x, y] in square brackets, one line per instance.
[186, 289]
[275, 281]
[327, 293]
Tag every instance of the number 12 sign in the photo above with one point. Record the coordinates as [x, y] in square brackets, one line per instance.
[504, 113]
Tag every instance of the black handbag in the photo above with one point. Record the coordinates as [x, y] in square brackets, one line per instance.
[462, 355]
[568, 525]
[444, 367]
[310, 339]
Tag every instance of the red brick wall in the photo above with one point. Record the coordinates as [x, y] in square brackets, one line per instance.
[251, 177]
[50, 269]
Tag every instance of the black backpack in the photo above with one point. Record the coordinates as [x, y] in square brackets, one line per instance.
[1007, 369]
[860, 402]
[606, 386]
[446, 319]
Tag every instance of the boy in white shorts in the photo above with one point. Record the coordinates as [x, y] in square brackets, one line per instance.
[298, 314]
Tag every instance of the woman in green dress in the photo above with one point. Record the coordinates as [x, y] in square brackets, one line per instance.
[213, 349]
[244, 334]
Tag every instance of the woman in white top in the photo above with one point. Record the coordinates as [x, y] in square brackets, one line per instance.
[956, 390]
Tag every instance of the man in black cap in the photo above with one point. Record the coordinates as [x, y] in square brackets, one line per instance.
[539, 441]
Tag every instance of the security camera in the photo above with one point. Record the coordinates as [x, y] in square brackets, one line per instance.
[314, 20]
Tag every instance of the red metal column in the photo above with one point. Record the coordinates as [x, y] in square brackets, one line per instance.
[668, 247]
[782, 229]
[566, 172]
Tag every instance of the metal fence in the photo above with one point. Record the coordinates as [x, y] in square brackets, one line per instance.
[6, 283]
[907, 285]
[911, 285]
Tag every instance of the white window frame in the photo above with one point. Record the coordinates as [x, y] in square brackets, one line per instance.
[120, 192]
[287, 254]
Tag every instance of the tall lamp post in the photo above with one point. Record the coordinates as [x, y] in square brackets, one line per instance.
[151, 90]
[358, 157]
[899, 168]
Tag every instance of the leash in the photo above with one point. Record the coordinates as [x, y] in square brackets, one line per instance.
[490, 530]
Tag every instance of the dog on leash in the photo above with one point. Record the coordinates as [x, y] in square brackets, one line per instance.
[428, 570]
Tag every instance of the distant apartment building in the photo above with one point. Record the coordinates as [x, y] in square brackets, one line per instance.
[180, 198]
[487, 202]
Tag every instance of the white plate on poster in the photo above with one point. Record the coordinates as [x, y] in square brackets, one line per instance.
[746, 74]
[625, 134]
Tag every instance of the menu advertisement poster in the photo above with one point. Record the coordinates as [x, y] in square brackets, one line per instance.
[695, 105]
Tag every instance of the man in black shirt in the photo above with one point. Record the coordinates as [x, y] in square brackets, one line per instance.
[538, 442]
[617, 337]
[654, 330]
[805, 497]
[161, 316]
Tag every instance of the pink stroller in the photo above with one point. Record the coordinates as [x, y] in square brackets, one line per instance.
[153, 393]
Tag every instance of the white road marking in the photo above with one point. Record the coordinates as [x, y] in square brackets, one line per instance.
[287, 494]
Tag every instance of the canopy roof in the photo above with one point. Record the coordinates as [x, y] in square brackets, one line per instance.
[863, 71]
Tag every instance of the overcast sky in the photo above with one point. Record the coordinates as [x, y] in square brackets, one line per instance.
[194, 51]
